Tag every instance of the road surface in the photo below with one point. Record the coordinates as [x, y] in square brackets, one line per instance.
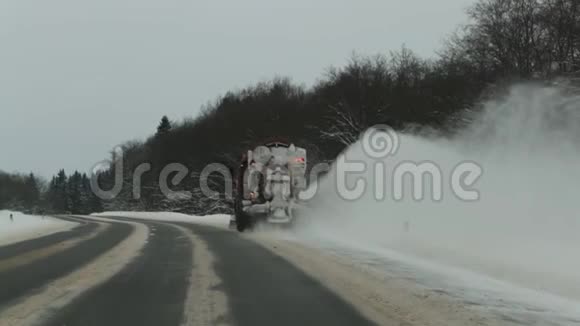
[128, 271]
[136, 272]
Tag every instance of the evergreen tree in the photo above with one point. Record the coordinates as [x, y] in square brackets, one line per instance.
[31, 194]
[32, 190]
[57, 193]
[164, 126]
[73, 193]
[92, 203]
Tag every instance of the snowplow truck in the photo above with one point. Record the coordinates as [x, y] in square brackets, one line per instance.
[269, 180]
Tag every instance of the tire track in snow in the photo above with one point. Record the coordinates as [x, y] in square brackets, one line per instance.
[151, 290]
[26, 252]
[23, 279]
[19, 248]
[263, 289]
[118, 246]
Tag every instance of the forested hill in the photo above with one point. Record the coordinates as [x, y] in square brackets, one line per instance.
[34, 195]
[504, 41]
[19, 191]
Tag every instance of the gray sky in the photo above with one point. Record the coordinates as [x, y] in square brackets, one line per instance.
[78, 77]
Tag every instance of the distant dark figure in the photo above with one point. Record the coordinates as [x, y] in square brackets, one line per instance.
[11, 218]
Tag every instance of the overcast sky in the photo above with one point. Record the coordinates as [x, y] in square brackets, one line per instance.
[78, 77]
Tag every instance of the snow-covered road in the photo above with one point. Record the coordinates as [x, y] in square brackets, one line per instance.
[386, 286]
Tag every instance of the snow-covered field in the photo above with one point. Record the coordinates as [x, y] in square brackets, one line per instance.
[218, 220]
[24, 227]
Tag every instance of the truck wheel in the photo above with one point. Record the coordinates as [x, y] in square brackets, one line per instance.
[240, 225]
[244, 222]
[241, 218]
[241, 222]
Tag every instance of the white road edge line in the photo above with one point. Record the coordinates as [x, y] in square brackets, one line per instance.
[204, 305]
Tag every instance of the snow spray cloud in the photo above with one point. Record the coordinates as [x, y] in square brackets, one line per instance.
[378, 144]
[525, 226]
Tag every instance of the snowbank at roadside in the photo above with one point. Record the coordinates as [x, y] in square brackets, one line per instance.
[217, 220]
[24, 227]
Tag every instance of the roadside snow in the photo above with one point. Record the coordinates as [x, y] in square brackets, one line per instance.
[25, 227]
[217, 220]
[383, 299]
[501, 302]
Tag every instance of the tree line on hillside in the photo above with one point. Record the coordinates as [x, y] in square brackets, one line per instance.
[63, 194]
[20, 192]
[505, 41]
[72, 194]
